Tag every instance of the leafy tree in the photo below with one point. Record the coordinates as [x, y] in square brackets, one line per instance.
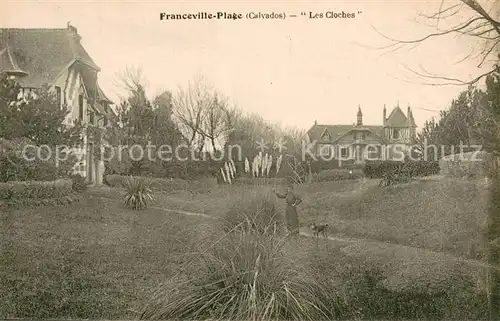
[472, 119]
[144, 122]
[39, 118]
[165, 130]
[475, 116]
[36, 120]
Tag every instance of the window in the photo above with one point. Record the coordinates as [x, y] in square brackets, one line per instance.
[395, 133]
[80, 107]
[344, 152]
[105, 121]
[58, 95]
[363, 135]
[325, 150]
[91, 118]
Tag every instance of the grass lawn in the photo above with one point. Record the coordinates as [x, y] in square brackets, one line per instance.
[96, 260]
[92, 260]
[446, 215]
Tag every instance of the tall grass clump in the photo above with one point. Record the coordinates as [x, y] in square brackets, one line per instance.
[245, 276]
[255, 211]
[138, 194]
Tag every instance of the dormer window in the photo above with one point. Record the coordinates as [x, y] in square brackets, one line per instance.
[325, 135]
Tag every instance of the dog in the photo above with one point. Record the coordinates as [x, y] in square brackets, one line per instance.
[319, 229]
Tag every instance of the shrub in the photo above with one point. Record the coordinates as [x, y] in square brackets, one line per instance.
[359, 289]
[337, 175]
[24, 165]
[469, 165]
[189, 169]
[243, 277]
[164, 184]
[114, 180]
[35, 190]
[377, 169]
[252, 212]
[79, 184]
[259, 181]
[263, 277]
[138, 193]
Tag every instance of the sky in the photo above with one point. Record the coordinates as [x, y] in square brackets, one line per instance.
[294, 71]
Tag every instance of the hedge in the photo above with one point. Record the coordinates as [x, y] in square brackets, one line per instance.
[377, 169]
[35, 189]
[260, 181]
[337, 175]
[164, 184]
[15, 166]
[189, 169]
[321, 165]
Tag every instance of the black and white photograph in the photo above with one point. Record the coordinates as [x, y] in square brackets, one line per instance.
[250, 160]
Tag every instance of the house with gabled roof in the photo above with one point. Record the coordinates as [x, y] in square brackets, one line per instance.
[359, 142]
[57, 58]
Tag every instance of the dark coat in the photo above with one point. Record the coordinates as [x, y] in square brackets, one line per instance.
[291, 216]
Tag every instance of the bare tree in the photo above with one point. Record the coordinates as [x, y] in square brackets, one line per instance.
[190, 108]
[131, 79]
[215, 122]
[477, 21]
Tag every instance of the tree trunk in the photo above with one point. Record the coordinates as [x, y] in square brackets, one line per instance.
[193, 136]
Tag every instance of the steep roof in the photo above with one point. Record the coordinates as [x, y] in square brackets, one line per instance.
[397, 118]
[337, 131]
[412, 120]
[101, 96]
[9, 64]
[43, 53]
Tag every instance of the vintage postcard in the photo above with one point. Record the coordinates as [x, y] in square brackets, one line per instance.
[250, 160]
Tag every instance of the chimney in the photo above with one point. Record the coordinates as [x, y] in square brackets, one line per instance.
[73, 31]
[360, 117]
[315, 122]
[384, 116]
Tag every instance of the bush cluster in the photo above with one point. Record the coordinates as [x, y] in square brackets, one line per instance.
[257, 276]
[189, 169]
[34, 193]
[35, 189]
[163, 184]
[79, 183]
[337, 175]
[257, 212]
[15, 166]
[260, 181]
[378, 169]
